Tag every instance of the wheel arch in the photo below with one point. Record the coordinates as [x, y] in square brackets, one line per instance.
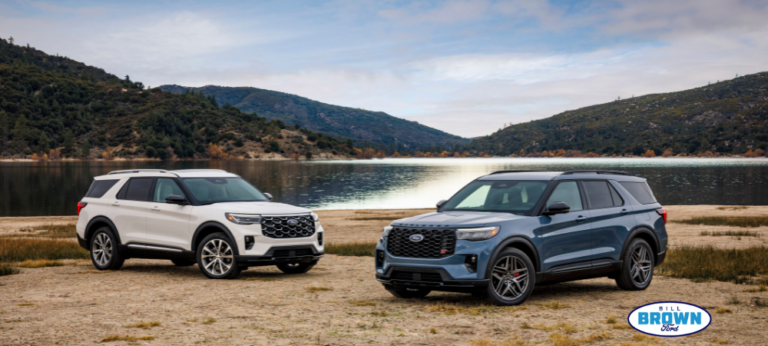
[207, 228]
[96, 223]
[518, 242]
[646, 234]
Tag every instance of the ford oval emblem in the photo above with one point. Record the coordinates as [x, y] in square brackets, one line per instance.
[416, 238]
[669, 319]
[293, 222]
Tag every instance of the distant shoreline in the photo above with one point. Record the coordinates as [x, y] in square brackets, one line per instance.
[374, 159]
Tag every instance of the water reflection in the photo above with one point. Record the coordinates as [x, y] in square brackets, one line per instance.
[53, 188]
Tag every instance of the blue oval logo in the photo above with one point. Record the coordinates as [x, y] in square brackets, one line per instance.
[669, 319]
[293, 222]
[416, 238]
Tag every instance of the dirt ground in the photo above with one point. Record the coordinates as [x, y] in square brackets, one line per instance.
[340, 303]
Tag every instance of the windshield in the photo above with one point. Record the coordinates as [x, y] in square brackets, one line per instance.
[517, 197]
[218, 190]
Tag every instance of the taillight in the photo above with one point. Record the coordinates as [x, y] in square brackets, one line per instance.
[80, 206]
[663, 213]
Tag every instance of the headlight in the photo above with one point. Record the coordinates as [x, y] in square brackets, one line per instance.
[243, 219]
[314, 216]
[386, 231]
[481, 233]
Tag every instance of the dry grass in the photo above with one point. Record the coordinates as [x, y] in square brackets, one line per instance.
[563, 327]
[760, 302]
[41, 263]
[7, 269]
[94, 271]
[558, 339]
[730, 234]
[315, 289]
[611, 319]
[736, 207]
[209, 320]
[554, 305]
[128, 338]
[723, 310]
[621, 326]
[144, 325]
[351, 249]
[489, 342]
[432, 330]
[26, 304]
[453, 309]
[737, 221]
[701, 264]
[362, 302]
[13, 249]
[383, 218]
[51, 231]
[260, 278]
[760, 288]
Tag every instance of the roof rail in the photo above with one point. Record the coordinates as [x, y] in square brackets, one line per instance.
[124, 171]
[596, 171]
[514, 171]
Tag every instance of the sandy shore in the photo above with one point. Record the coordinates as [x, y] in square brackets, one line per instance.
[73, 305]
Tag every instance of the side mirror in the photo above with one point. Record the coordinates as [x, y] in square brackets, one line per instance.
[268, 195]
[176, 199]
[557, 208]
[441, 203]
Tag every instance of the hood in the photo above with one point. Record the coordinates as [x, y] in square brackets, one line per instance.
[459, 219]
[264, 208]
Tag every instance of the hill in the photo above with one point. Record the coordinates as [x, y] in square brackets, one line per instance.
[729, 117]
[343, 122]
[54, 106]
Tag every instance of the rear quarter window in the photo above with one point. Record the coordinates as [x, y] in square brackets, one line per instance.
[640, 190]
[100, 187]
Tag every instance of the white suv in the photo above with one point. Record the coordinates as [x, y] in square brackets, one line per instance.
[210, 217]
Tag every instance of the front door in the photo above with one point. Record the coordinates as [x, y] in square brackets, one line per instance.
[565, 238]
[168, 224]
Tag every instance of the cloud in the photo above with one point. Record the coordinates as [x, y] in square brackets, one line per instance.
[447, 12]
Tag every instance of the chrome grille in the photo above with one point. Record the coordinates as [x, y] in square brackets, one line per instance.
[280, 226]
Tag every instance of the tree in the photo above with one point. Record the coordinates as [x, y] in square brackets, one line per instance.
[3, 129]
[69, 143]
[43, 143]
[11, 39]
[85, 149]
[19, 132]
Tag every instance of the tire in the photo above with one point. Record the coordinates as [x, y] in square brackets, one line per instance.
[408, 293]
[216, 257]
[182, 262]
[512, 277]
[296, 268]
[636, 267]
[105, 252]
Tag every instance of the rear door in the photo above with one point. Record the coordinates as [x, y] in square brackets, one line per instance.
[565, 238]
[168, 224]
[610, 220]
[130, 209]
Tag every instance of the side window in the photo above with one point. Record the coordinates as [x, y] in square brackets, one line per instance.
[100, 187]
[136, 189]
[640, 191]
[166, 187]
[568, 192]
[617, 200]
[598, 194]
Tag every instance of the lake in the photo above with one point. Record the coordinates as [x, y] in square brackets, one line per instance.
[53, 188]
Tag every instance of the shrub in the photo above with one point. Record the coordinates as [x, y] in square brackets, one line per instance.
[707, 263]
[738, 221]
[7, 269]
[21, 249]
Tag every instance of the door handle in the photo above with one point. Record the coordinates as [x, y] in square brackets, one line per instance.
[581, 218]
[155, 208]
[624, 212]
[116, 204]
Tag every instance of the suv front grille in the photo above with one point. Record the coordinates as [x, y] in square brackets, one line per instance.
[278, 226]
[436, 243]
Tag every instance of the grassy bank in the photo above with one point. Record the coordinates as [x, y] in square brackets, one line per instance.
[706, 263]
[51, 231]
[736, 221]
[14, 249]
[351, 249]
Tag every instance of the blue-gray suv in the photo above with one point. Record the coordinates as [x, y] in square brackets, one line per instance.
[507, 231]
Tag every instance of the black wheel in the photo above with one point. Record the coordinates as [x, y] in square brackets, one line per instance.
[407, 293]
[105, 254]
[182, 263]
[637, 267]
[216, 257]
[296, 268]
[512, 278]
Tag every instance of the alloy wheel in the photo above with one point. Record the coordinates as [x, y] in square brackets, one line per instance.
[217, 257]
[102, 249]
[641, 265]
[510, 277]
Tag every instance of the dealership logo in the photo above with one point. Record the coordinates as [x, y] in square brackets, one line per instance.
[416, 238]
[669, 319]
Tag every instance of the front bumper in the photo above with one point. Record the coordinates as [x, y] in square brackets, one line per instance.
[281, 254]
[436, 279]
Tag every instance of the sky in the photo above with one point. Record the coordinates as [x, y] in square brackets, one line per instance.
[467, 67]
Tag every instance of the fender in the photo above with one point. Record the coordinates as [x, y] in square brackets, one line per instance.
[634, 233]
[513, 240]
[214, 224]
[101, 218]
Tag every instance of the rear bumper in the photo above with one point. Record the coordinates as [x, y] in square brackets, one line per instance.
[280, 255]
[83, 243]
[445, 283]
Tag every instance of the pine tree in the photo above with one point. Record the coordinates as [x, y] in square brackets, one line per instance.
[69, 143]
[19, 132]
[3, 129]
[11, 40]
[43, 143]
[85, 149]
